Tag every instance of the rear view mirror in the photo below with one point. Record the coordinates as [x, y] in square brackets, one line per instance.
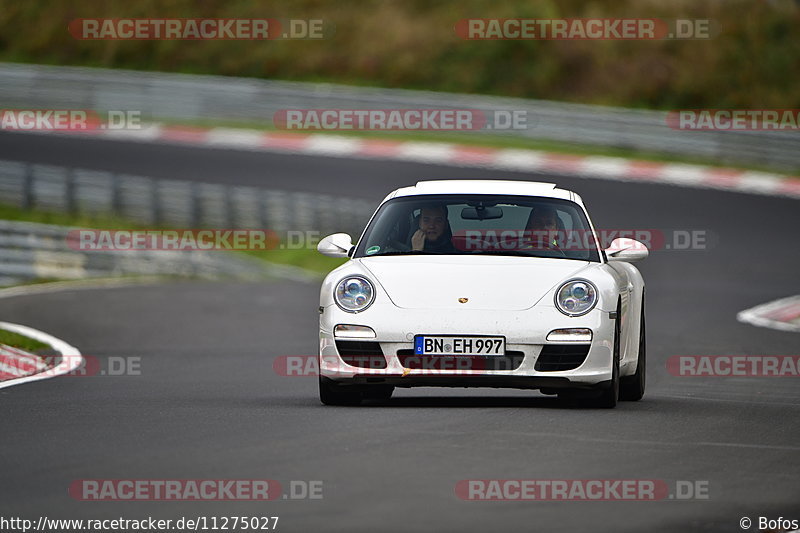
[481, 213]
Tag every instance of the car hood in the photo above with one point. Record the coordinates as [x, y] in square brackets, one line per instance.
[488, 282]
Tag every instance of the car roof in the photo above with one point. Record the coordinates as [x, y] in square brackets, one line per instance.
[508, 187]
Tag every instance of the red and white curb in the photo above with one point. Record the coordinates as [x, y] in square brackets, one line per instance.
[521, 160]
[16, 363]
[783, 314]
[30, 366]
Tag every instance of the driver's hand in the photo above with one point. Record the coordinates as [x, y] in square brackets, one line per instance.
[543, 239]
[418, 241]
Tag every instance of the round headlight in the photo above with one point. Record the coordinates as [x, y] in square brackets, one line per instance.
[354, 294]
[576, 297]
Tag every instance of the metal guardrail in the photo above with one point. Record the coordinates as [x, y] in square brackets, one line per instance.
[29, 251]
[163, 96]
[174, 203]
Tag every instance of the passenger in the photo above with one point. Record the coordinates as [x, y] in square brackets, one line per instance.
[542, 228]
[434, 233]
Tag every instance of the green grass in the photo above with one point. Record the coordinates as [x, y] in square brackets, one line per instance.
[15, 340]
[304, 258]
[8, 212]
[308, 259]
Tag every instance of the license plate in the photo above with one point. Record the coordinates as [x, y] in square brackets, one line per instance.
[453, 345]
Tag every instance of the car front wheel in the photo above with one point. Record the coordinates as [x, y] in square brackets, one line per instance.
[609, 396]
[332, 394]
[632, 387]
[378, 392]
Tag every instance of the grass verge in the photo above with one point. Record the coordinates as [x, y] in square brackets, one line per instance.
[15, 340]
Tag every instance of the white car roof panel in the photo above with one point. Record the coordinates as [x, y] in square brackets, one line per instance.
[507, 187]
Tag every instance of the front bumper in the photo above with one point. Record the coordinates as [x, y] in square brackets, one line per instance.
[525, 333]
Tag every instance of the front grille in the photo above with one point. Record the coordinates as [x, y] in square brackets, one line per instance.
[556, 357]
[510, 361]
[363, 354]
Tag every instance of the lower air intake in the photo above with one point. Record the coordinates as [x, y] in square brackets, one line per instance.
[558, 357]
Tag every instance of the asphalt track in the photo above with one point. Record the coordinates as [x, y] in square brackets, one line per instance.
[208, 405]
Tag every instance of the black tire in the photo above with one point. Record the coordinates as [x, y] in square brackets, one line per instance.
[576, 398]
[332, 394]
[378, 392]
[632, 387]
[609, 396]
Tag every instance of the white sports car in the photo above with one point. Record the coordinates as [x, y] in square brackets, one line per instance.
[462, 283]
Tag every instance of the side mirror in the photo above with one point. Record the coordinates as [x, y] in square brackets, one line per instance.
[628, 250]
[336, 245]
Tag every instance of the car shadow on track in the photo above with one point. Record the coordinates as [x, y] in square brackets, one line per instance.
[540, 402]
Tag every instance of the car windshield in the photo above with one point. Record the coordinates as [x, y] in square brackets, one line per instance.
[480, 224]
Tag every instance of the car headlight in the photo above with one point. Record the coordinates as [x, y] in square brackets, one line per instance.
[576, 297]
[354, 294]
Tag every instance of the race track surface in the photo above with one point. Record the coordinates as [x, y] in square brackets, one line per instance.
[208, 404]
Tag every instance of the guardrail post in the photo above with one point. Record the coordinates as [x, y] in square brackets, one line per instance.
[28, 199]
[116, 195]
[69, 191]
[196, 205]
[314, 215]
[156, 202]
[263, 210]
[230, 208]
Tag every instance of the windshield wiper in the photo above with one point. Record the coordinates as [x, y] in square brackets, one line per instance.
[506, 252]
[407, 252]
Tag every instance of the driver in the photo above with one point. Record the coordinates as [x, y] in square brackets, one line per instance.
[434, 233]
[543, 227]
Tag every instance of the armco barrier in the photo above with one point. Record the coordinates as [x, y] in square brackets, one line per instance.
[165, 96]
[32, 251]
